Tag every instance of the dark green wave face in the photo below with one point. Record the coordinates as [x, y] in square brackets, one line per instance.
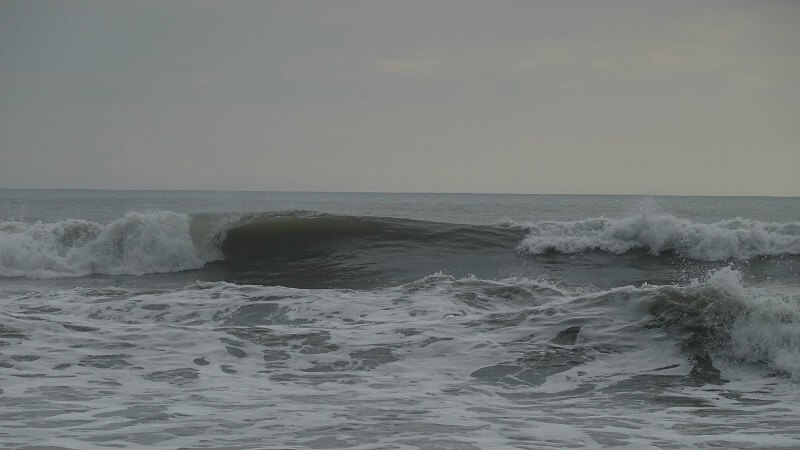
[311, 250]
[303, 250]
[282, 233]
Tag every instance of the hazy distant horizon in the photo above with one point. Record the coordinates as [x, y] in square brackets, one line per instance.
[599, 194]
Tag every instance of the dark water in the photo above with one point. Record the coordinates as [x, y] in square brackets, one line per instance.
[305, 320]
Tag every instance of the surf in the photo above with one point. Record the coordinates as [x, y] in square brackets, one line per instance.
[136, 244]
[162, 241]
[657, 233]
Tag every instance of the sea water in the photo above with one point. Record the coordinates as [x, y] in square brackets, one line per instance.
[186, 319]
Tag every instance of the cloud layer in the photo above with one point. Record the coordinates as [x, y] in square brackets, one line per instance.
[618, 97]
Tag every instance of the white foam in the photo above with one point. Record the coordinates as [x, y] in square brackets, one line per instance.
[767, 325]
[751, 324]
[213, 356]
[659, 232]
[136, 244]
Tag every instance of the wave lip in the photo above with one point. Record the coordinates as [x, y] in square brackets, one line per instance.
[136, 244]
[657, 233]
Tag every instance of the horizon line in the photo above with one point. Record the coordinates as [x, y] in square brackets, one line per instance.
[293, 191]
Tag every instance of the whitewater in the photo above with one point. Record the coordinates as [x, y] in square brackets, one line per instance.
[174, 319]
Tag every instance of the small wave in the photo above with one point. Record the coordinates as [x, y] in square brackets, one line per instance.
[657, 233]
[138, 243]
[718, 314]
[757, 325]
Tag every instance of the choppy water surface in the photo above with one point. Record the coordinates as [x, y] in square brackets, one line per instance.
[279, 320]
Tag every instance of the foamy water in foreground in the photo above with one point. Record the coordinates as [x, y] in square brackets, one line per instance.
[246, 324]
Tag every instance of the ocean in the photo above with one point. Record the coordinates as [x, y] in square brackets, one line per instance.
[271, 320]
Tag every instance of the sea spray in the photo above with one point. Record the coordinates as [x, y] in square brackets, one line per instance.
[658, 232]
[739, 323]
[766, 328]
[138, 243]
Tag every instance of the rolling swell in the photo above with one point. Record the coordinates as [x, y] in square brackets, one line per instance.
[324, 251]
[305, 249]
[268, 235]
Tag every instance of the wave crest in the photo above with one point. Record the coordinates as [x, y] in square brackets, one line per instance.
[136, 244]
[750, 324]
[657, 233]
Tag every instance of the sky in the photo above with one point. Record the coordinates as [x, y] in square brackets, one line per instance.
[597, 97]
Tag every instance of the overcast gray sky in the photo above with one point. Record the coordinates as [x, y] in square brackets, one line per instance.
[639, 97]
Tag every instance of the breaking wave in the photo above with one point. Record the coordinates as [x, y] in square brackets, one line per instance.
[657, 233]
[716, 318]
[755, 325]
[136, 244]
[162, 241]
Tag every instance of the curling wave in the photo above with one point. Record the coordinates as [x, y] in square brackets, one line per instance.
[755, 325]
[657, 233]
[256, 236]
[718, 315]
[162, 241]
